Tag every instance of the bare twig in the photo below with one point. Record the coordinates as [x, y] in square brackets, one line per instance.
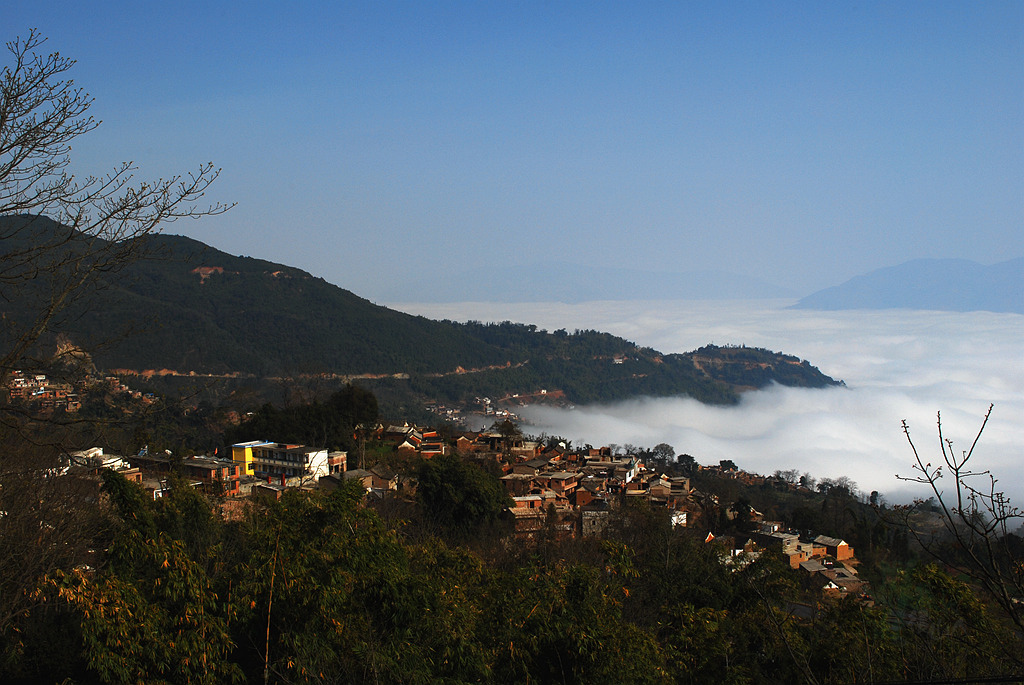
[977, 518]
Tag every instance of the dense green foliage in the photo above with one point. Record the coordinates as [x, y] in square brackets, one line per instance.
[457, 493]
[316, 588]
[755, 367]
[331, 424]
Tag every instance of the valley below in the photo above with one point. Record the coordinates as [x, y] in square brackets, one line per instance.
[896, 364]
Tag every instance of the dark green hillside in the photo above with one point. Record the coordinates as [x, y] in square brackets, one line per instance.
[754, 367]
[587, 377]
[273, 319]
[188, 307]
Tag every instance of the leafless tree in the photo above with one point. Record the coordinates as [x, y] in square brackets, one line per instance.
[49, 519]
[96, 224]
[60, 237]
[976, 517]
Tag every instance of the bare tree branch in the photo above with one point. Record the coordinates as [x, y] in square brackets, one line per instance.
[101, 220]
[60, 238]
[977, 518]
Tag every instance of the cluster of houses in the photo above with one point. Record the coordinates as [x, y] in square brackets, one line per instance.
[575, 493]
[826, 563]
[42, 394]
[564, 492]
[213, 475]
[578, 490]
[45, 395]
[151, 472]
[484, 407]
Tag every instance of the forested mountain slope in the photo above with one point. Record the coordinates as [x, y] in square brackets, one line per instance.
[189, 307]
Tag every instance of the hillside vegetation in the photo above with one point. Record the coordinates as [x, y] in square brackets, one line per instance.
[189, 308]
[315, 587]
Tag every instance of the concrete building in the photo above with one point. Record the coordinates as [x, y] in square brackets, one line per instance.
[262, 459]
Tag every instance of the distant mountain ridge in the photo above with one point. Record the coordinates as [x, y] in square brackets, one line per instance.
[937, 284]
[193, 308]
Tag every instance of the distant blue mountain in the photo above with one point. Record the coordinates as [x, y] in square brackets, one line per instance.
[940, 284]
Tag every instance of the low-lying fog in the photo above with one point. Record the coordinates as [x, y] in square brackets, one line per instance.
[897, 364]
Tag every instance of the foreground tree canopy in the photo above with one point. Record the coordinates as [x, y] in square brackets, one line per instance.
[317, 588]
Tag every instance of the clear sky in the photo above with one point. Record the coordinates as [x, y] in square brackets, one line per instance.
[800, 143]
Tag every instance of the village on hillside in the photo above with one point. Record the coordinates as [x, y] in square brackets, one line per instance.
[574, 491]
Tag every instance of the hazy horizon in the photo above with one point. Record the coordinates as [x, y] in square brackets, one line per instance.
[897, 364]
[799, 144]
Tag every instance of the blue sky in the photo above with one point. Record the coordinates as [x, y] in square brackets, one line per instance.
[799, 143]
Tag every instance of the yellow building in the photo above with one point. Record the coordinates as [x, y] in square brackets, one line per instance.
[262, 459]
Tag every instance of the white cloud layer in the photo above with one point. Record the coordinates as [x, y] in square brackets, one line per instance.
[897, 364]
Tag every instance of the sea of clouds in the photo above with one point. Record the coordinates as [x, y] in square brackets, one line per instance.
[897, 364]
